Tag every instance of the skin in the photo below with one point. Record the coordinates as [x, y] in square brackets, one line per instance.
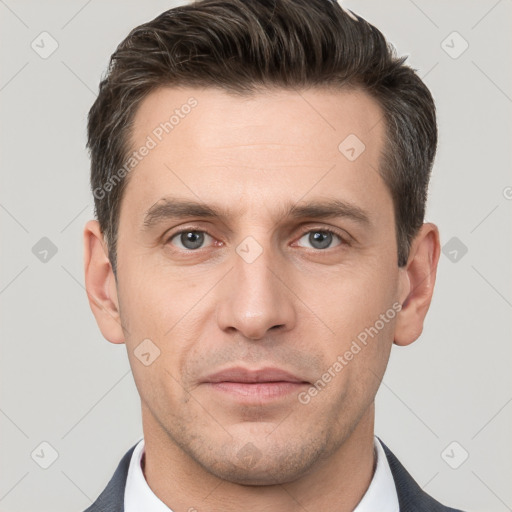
[296, 307]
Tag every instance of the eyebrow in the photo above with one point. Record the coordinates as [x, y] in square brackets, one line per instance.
[172, 208]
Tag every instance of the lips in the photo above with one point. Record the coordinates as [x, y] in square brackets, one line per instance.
[247, 376]
[243, 386]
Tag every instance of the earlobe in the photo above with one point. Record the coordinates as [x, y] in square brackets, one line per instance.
[417, 281]
[100, 284]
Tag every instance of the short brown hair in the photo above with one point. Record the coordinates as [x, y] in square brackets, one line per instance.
[245, 45]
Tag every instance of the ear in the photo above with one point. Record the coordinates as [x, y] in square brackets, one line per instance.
[100, 284]
[417, 281]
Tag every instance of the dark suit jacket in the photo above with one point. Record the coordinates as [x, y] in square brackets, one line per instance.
[410, 495]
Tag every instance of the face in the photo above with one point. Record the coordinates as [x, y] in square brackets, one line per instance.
[275, 281]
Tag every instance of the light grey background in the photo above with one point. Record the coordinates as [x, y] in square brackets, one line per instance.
[63, 384]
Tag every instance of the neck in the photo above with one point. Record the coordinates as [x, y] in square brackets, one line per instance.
[337, 482]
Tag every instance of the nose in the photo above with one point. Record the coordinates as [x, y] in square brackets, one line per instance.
[255, 297]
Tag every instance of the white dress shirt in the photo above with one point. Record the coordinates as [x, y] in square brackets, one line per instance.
[381, 494]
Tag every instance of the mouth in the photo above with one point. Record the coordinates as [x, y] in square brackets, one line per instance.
[260, 385]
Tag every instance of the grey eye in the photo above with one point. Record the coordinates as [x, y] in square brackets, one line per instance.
[320, 239]
[190, 239]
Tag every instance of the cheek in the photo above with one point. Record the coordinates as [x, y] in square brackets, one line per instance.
[360, 308]
[161, 392]
[351, 300]
[152, 301]
[352, 374]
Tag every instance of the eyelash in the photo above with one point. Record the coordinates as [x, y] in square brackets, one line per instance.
[343, 239]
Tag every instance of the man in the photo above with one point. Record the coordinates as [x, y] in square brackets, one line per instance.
[260, 171]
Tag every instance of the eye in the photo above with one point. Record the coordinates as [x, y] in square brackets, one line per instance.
[189, 239]
[321, 238]
[194, 239]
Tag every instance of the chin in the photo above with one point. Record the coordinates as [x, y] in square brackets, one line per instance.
[262, 475]
[266, 465]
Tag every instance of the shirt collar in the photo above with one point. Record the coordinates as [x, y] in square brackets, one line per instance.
[137, 494]
[381, 494]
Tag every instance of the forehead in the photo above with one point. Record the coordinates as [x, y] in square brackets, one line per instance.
[250, 150]
[258, 118]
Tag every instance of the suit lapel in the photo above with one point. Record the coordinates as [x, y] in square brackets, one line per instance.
[411, 496]
[112, 498]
